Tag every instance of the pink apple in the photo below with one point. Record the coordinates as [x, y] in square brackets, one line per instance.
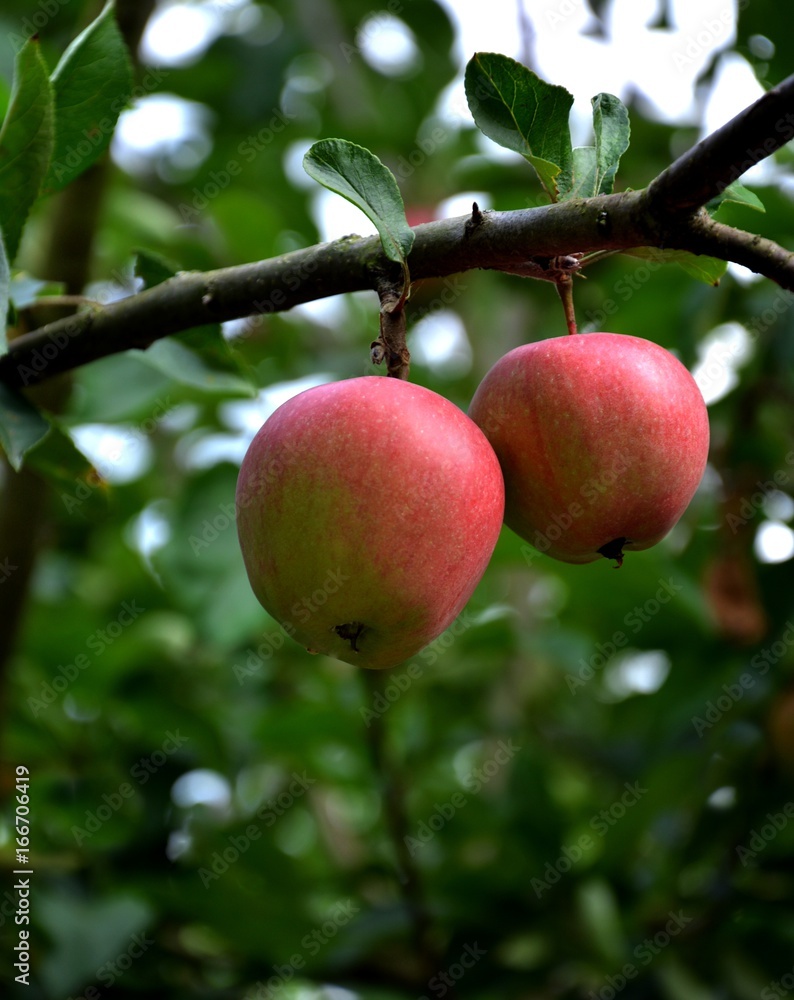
[368, 510]
[602, 439]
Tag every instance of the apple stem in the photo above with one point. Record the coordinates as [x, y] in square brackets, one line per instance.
[564, 284]
[390, 345]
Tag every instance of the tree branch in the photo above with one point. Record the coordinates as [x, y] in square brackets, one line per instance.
[708, 168]
[664, 215]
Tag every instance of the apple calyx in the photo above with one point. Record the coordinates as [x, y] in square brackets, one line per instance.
[614, 550]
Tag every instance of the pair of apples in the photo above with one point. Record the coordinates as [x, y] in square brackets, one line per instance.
[368, 509]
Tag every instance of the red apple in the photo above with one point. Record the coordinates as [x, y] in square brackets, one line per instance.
[368, 510]
[602, 439]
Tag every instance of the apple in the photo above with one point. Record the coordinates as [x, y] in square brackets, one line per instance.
[368, 510]
[602, 439]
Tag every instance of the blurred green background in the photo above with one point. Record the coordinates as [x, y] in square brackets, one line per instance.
[570, 794]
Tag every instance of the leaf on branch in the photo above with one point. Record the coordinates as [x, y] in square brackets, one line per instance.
[706, 269]
[514, 107]
[594, 167]
[358, 175]
[584, 179]
[152, 268]
[92, 84]
[26, 143]
[738, 194]
[21, 425]
[612, 133]
[188, 367]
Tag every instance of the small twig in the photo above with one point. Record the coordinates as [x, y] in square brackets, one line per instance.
[390, 345]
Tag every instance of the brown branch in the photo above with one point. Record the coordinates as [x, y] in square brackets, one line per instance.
[704, 171]
[664, 215]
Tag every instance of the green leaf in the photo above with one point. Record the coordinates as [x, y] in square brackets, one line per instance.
[706, 269]
[738, 194]
[517, 109]
[73, 477]
[358, 175]
[26, 143]
[92, 84]
[584, 179]
[612, 132]
[153, 268]
[189, 367]
[594, 167]
[21, 425]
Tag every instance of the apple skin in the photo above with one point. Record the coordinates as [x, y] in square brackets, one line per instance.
[368, 510]
[602, 438]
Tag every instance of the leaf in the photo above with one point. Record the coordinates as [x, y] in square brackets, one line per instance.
[72, 476]
[189, 367]
[594, 167]
[612, 131]
[152, 268]
[21, 425]
[517, 109]
[706, 269]
[583, 181]
[92, 84]
[26, 143]
[25, 289]
[738, 194]
[358, 175]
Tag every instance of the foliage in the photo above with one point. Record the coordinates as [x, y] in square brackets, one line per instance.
[584, 754]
